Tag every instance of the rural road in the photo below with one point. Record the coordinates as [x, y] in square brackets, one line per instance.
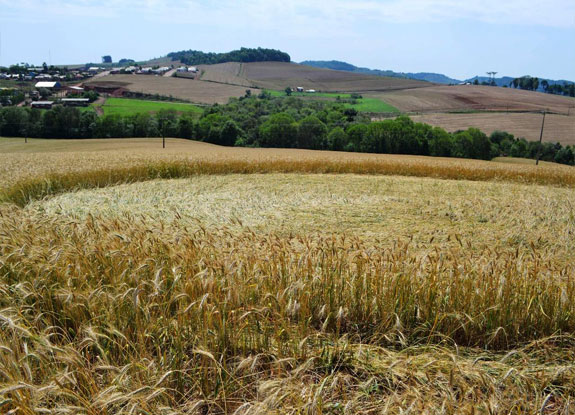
[101, 74]
[98, 105]
[169, 73]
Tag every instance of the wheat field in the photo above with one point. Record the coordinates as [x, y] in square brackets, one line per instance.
[207, 280]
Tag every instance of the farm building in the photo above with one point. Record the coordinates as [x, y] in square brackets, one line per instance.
[75, 90]
[48, 85]
[110, 88]
[75, 102]
[42, 104]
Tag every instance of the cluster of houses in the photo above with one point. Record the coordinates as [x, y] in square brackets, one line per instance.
[184, 69]
[138, 70]
[40, 74]
[72, 95]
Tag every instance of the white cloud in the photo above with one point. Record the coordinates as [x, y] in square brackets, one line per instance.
[315, 15]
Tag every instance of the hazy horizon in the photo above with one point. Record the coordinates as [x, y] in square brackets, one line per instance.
[458, 39]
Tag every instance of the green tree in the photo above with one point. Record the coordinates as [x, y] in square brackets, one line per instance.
[88, 124]
[15, 121]
[280, 130]
[440, 143]
[288, 91]
[565, 156]
[462, 145]
[311, 133]
[355, 134]
[186, 127]
[210, 128]
[230, 133]
[481, 146]
[336, 139]
[519, 148]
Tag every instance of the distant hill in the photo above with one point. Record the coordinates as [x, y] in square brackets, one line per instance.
[420, 76]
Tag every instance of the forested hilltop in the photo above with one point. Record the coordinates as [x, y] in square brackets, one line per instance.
[196, 57]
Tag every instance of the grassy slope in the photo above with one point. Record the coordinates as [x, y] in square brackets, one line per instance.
[374, 105]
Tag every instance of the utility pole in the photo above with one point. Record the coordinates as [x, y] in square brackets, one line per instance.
[162, 128]
[540, 139]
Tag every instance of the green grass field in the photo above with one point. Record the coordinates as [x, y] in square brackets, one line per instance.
[126, 106]
[363, 104]
[372, 105]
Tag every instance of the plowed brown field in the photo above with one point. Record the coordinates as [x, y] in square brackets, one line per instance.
[558, 128]
[197, 91]
[475, 97]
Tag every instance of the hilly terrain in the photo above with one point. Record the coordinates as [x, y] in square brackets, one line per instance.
[219, 82]
[425, 76]
[513, 110]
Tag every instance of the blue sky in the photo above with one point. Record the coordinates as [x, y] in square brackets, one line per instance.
[458, 38]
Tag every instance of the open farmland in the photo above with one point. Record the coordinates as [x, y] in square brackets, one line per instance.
[214, 280]
[475, 97]
[226, 73]
[558, 128]
[41, 158]
[279, 75]
[196, 91]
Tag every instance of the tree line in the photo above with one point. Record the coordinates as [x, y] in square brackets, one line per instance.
[196, 57]
[533, 83]
[290, 122]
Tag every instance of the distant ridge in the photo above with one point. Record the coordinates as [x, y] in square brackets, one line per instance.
[423, 76]
[420, 76]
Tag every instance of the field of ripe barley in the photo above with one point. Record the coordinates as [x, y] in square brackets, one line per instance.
[210, 280]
